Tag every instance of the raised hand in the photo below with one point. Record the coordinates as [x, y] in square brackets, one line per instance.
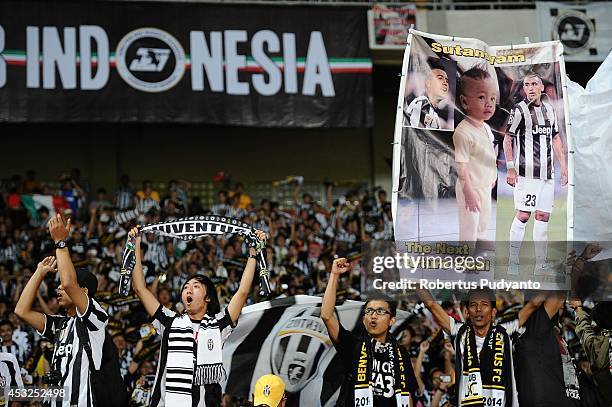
[47, 265]
[58, 228]
[340, 266]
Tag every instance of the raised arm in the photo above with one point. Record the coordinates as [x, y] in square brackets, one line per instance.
[441, 317]
[246, 282]
[59, 231]
[530, 308]
[328, 315]
[148, 299]
[23, 309]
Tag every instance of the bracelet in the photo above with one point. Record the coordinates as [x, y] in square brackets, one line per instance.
[510, 165]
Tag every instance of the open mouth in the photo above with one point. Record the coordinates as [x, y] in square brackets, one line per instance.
[189, 299]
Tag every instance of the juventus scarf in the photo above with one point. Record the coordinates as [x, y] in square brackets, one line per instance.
[486, 380]
[364, 395]
[190, 228]
[180, 373]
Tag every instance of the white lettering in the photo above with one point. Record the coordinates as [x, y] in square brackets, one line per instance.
[65, 59]
[32, 58]
[206, 59]
[234, 61]
[289, 63]
[274, 76]
[87, 33]
[317, 70]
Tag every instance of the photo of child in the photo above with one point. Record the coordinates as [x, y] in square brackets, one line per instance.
[475, 154]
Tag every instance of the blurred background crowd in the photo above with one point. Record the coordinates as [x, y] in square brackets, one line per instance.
[304, 236]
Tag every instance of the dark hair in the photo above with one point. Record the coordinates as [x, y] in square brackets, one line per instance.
[472, 73]
[7, 322]
[213, 307]
[385, 298]
[486, 293]
[435, 63]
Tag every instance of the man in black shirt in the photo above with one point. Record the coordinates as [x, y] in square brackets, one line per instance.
[545, 373]
[391, 381]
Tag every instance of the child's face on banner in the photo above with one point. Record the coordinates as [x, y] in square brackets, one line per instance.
[533, 88]
[479, 98]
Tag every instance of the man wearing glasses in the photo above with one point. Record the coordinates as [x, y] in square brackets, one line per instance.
[378, 371]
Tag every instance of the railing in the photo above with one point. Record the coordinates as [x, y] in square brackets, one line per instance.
[427, 5]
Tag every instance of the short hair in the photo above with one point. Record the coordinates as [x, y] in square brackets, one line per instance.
[7, 322]
[435, 63]
[485, 293]
[530, 74]
[475, 73]
[385, 298]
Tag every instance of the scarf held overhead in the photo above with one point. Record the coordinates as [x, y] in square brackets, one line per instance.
[190, 228]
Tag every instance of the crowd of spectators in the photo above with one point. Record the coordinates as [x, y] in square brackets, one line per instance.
[304, 238]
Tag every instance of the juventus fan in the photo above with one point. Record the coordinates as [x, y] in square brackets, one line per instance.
[379, 372]
[483, 348]
[546, 374]
[190, 367]
[531, 144]
[423, 111]
[70, 363]
[10, 376]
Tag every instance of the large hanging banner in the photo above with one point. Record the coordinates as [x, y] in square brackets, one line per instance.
[481, 165]
[585, 30]
[184, 62]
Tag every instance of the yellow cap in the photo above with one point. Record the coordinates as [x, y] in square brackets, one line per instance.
[269, 390]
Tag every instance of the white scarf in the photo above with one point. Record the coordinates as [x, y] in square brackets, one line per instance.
[207, 361]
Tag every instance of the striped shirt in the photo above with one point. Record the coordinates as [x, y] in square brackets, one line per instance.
[162, 321]
[69, 356]
[421, 113]
[10, 375]
[533, 128]
[15, 349]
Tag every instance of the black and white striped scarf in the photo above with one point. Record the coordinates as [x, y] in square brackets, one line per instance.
[184, 369]
[190, 228]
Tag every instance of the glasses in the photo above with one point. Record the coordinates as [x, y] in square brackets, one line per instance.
[378, 311]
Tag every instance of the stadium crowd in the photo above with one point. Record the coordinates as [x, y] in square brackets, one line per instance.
[304, 239]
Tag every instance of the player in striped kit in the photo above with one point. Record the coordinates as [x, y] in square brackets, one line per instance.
[531, 144]
[422, 112]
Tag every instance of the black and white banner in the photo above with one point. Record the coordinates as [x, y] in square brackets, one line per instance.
[241, 65]
[585, 30]
[288, 338]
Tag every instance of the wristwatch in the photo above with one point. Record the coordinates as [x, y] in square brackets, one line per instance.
[60, 244]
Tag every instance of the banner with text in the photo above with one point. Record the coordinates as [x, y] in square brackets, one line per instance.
[184, 62]
[481, 161]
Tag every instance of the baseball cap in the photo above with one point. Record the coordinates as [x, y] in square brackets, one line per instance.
[269, 390]
[87, 280]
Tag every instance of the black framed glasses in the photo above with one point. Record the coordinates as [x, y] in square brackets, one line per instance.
[378, 311]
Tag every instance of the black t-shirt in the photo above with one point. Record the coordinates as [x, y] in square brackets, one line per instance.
[382, 371]
[543, 365]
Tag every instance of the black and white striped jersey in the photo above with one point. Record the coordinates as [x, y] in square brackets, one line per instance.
[10, 376]
[15, 349]
[533, 127]
[421, 113]
[69, 356]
